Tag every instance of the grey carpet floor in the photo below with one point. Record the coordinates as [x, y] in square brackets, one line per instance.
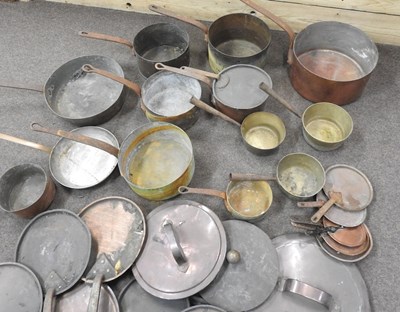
[38, 37]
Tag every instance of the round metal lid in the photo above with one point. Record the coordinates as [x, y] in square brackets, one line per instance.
[238, 86]
[134, 298]
[56, 246]
[118, 227]
[302, 259]
[203, 308]
[77, 299]
[184, 251]
[20, 289]
[250, 273]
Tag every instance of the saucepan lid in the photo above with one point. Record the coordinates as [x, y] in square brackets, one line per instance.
[250, 273]
[20, 289]
[184, 251]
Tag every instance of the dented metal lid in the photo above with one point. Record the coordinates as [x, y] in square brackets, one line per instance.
[184, 251]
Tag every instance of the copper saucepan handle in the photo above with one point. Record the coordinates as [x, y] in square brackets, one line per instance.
[95, 35]
[200, 72]
[311, 204]
[187, 73]
[250, 177]
[95, 293]
[335, 197]
[29, 88]
[131, 85]
[78, 138]
[202, 191]
[211, 110]
[278, 21]
[263, 86]
[163, 11]
[25, 142]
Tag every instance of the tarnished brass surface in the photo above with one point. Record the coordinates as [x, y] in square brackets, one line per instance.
[326, 126]
[262, 132]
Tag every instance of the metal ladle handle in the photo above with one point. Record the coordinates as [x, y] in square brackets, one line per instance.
[175, 246]
[263, 86]
[78, 138]
[87, 68]
[213, 111]
[305, 290]
[99, 36]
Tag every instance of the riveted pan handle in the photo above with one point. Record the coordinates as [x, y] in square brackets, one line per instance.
[105, 37]
[202, 191]
[163, 11]
[187, 73]
[200, 72]
[95, 293]
[131, 85]
[78, 138]
[263, 86]
[335, 197]
[311, 204]
[213, 111]
[305, 290]
[49, 300]
[278, 21]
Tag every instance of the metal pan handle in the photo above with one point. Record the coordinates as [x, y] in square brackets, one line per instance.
[131, 85]
[95, 293]
[305, 290]
[200, 72]
[180, 71]
[29, 88]
[49, 300]
[263, 86]
[78, 138]
[163, 11]
[202, 191]
[250, 177]
[311, 204]
[40, 147]
[99, 36]
[335, 197]
[175, 246]
[278, 21]
[211, 110]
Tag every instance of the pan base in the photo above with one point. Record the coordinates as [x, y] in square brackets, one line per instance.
[324, 130]
[27, 192]
[331, 65]
[299, 181]
[238, 48]
[262, 137]
[163, 53]
[158, 163]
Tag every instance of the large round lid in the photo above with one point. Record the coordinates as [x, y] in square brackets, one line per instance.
[134, 298]
[306, 269]
[250, 273]
[184, 251]
[20, 289]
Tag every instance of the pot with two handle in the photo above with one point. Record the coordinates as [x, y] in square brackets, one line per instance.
[161, 42]
[84, 100]
[154, 159]
[300, 176]
[165, 96]
[329, 61]
[237, 38]
[326, 126]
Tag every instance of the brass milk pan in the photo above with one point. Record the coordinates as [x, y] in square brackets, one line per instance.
[326, 126]
[165, 96]
[26, 190]
[154, 159]
[299, 176]
[329, 61]
[246, 200]
[161, 42]
[350, 237]
[236, 38]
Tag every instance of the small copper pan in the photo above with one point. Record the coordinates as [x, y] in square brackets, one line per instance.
[349, 251]
[349, 236]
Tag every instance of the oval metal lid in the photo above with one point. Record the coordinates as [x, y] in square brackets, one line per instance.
[238, 86]
[77, 299]
[20, 289]
[56, 246]
[183, 232]
[301, 258]
[246, 284]
[118, 227]
[134, 298]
